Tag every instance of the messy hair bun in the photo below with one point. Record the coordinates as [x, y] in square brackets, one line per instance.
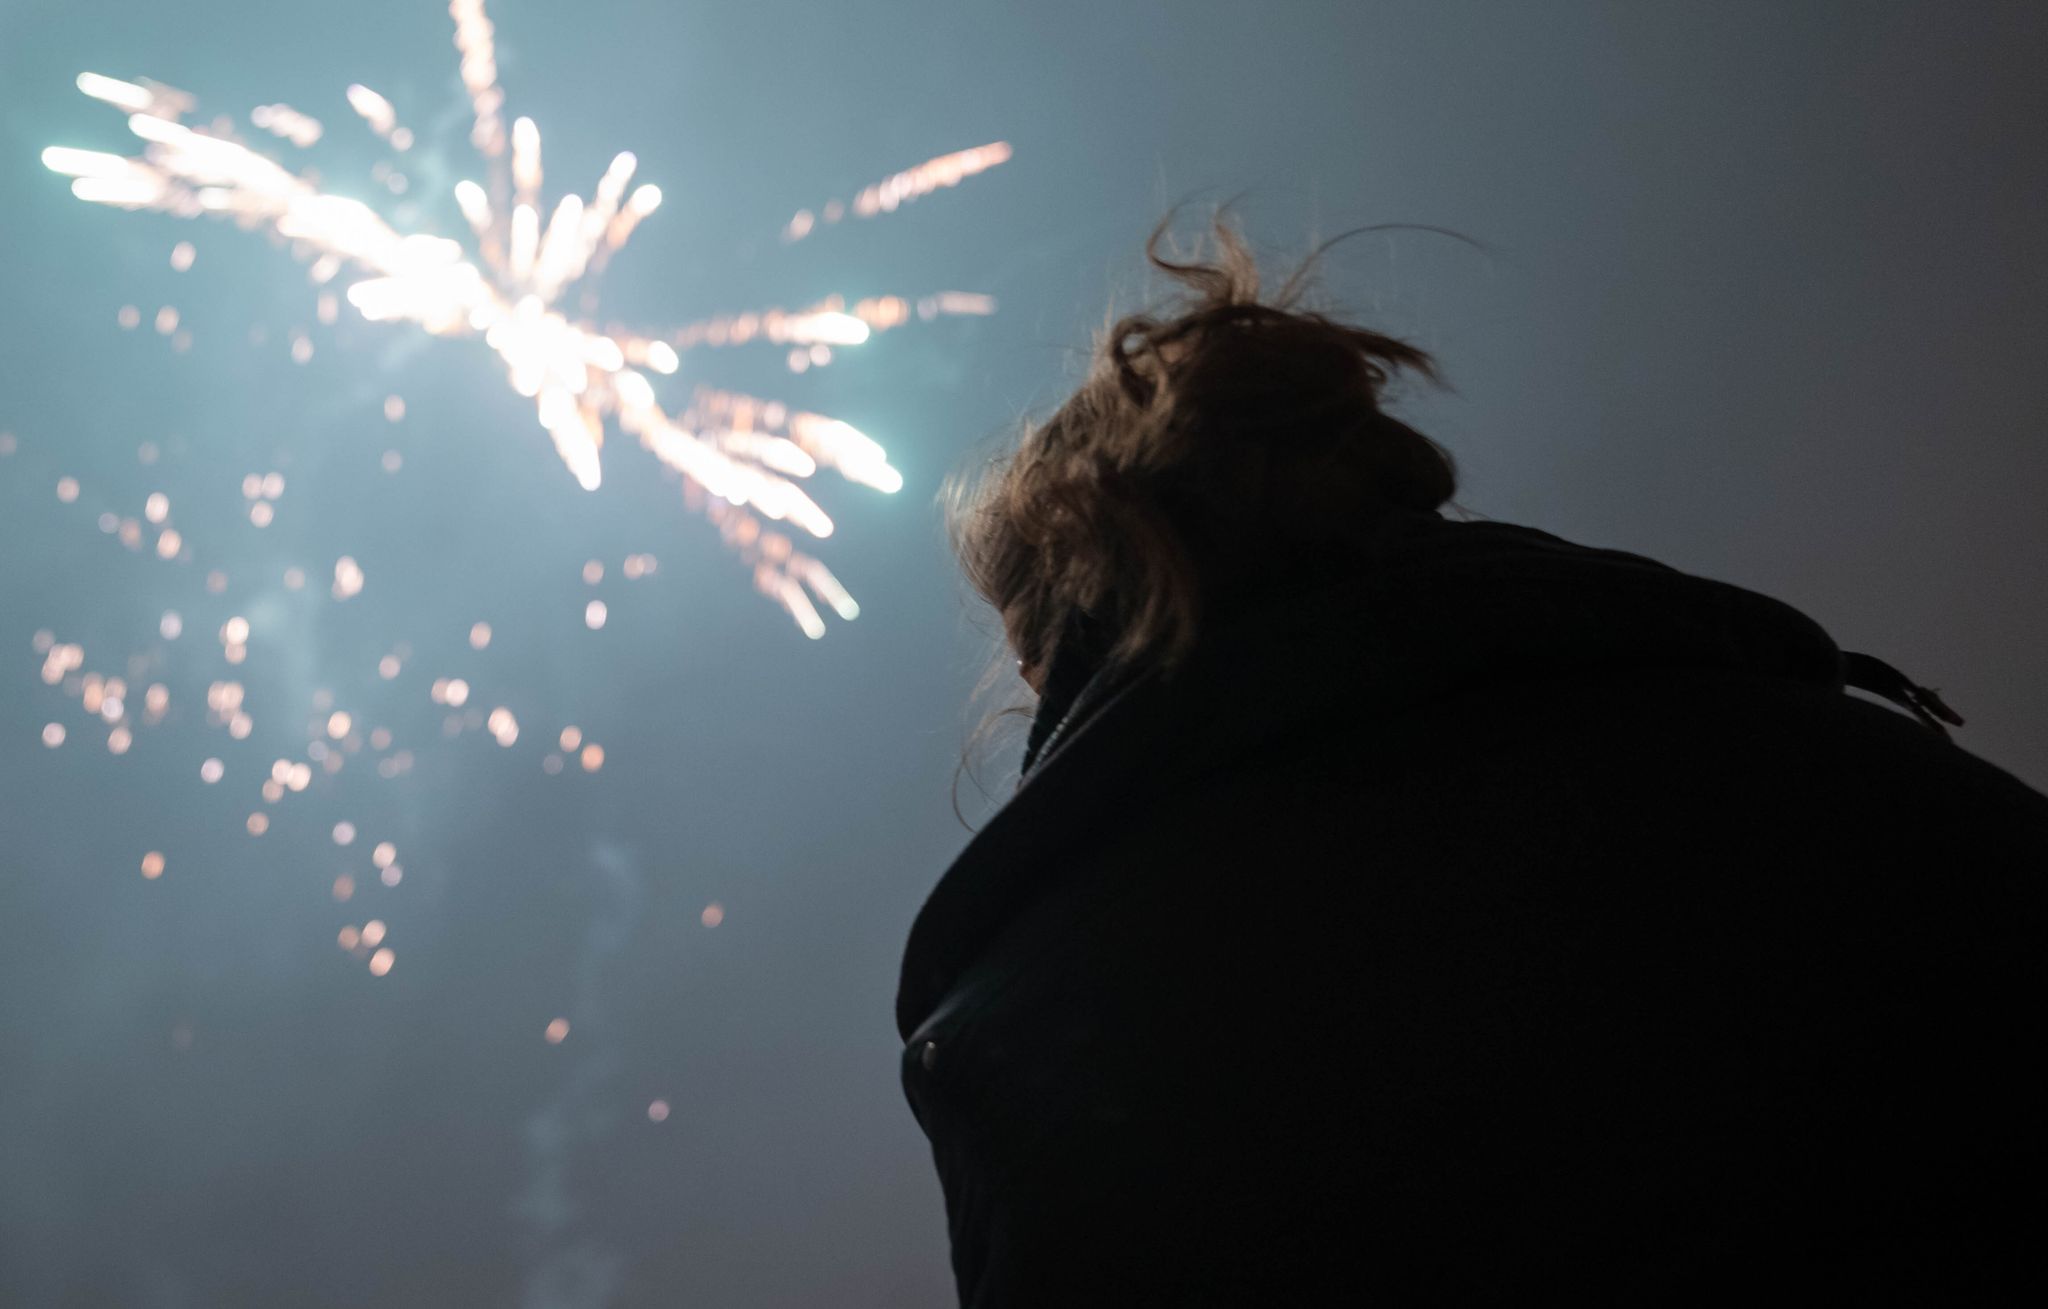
[1212, 441]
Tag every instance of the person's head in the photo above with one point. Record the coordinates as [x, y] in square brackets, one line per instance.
[1214, 444]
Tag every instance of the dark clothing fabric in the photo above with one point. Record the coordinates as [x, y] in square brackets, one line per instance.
[1499, 917]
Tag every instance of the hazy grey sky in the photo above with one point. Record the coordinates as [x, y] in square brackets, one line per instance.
[1764, 298]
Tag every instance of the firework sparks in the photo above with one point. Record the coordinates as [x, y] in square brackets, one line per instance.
[303, 766]
[582, 378]
[885, 196]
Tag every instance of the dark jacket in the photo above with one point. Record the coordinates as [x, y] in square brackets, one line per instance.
[1500, 917]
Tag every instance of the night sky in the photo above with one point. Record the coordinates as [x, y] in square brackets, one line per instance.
[1761, 295]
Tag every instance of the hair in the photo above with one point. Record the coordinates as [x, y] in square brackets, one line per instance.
[1214, 441]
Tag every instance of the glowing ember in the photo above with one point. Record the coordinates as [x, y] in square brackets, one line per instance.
[503, 727]
[348, 578]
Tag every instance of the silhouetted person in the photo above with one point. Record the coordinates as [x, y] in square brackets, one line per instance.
[1422, 909]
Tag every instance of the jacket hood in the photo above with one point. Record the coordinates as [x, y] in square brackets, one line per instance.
[1428, 608]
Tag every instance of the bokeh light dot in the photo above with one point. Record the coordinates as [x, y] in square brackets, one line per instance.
[348, 578]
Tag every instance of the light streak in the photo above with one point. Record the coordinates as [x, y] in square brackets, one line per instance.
[898, 189]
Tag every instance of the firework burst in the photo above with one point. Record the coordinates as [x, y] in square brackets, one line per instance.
[749, 457]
